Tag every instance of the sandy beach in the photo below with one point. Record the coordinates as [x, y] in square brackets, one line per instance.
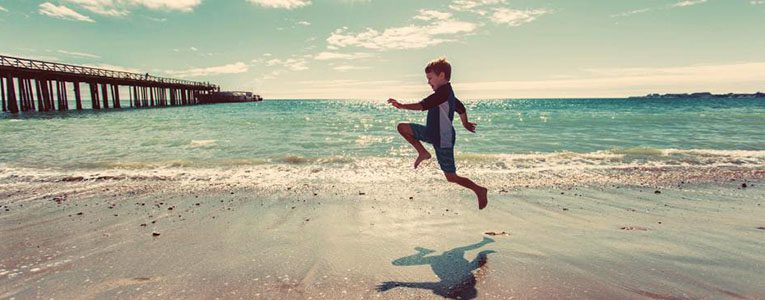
[299, 232]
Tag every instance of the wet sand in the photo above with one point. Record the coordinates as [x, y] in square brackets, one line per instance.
[661, 234]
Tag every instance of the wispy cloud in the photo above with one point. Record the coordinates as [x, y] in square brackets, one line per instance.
[114, 68]
[294, 64]
[3, 9]
[78, 54]
[476, 6]
[304, 23]
[685, 3]
[632, 12]
[343, 68]
[514, 17]
[101, 7]
[287, 4]
[121, 8]
[326, 55]
[757, 2]
[234, 68]
[427, 15]
[438, 29]
[62, 12]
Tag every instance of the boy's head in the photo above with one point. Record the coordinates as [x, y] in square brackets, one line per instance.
[438, 72]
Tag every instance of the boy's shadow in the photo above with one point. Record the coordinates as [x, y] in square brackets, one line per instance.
[455, 272]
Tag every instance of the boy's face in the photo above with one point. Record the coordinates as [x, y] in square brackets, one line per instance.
[436, 81]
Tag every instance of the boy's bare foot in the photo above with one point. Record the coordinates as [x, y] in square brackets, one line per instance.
[482, 198]
[420, 158]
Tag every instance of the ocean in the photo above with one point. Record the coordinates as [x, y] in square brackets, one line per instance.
[553, 132]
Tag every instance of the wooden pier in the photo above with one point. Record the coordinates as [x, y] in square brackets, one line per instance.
[27, 85]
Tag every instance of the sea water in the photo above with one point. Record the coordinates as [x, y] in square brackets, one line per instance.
[552, 131]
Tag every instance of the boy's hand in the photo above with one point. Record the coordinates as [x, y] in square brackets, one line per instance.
[394, 102]
[469, 126]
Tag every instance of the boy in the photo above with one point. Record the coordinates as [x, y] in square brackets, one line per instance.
[439, 130]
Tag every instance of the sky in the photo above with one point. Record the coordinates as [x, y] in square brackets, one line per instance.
[377, 49]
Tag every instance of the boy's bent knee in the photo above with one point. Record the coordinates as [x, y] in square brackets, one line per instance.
[404, 128]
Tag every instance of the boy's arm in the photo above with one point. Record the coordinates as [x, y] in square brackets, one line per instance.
[435, 99]
[410, 106]
[460, 109]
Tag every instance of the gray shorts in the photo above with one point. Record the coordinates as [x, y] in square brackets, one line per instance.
[445, 156]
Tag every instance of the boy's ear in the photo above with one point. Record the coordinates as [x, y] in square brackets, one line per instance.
[442, 75]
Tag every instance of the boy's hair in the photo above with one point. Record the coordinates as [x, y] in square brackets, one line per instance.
[439, 66]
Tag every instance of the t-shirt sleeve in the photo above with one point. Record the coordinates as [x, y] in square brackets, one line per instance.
[435, 99]
[459, 107]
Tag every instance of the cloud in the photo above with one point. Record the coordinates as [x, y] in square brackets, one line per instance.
[685, 3]
[234, 68]
[343, 68]
[304, 23]
[114, 68]
[427, 15]
[192, 48]
[101, 7]
[288, 4]
[397, 38]
[79, 54]
[757, 2]
[474, 5]
[334, 55]
[513, 17]
[62, 12]
[632, 12]
[294, 64]
[3, 9]
[121, 8]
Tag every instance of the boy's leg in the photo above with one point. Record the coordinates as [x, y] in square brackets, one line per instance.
[479, 191]
[405, 129]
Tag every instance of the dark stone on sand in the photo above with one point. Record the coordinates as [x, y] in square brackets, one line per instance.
[362, 193]
[170, 208]
[761, 228]
[197, 204]
[495, 233]
[659, 222]
[307, 220]
[143, 225]
[565, 209]
[638, 228]
[293, 207]
[232, 193]
[79, 213]
[152, 222]
[657, 192]
[155, 233]
[411, 198]
[74, 178]
[743, 185]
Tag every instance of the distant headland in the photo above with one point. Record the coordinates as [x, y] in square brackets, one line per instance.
[705, 95]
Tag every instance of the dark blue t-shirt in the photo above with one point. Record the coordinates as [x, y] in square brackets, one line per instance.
[441, 106]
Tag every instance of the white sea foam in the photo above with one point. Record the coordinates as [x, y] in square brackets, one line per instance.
[494, 170]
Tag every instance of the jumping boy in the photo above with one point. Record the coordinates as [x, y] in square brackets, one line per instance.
[438, 130]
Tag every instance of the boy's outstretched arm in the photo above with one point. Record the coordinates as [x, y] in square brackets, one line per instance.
[460, 109]
[411, 106]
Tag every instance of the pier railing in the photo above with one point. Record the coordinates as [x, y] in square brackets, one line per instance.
[31, 64]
